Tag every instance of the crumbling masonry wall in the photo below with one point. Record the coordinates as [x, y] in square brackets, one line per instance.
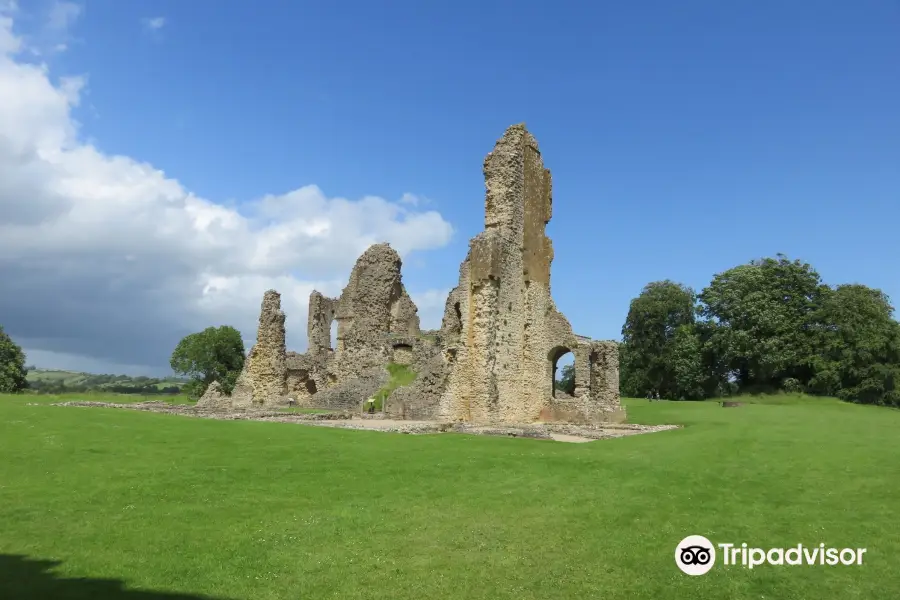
[214, 397]
[262, 381]
[377, 323]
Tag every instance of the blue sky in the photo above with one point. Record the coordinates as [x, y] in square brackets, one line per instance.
[684, 138]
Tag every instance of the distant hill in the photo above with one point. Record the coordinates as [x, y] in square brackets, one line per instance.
[52, 381]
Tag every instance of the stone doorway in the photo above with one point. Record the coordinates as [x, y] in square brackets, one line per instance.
[562, 371]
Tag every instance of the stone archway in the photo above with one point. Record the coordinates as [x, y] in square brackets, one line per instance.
[553, 358]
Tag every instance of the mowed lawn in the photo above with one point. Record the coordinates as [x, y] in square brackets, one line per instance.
[252, 510]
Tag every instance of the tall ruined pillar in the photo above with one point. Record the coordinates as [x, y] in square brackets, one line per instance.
[502, 333]
[263, 379]
[499, 353]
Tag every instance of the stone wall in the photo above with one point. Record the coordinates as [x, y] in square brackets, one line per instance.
[350, 393]
[301, 384]
[377, 322]
[262, 381]
[605, 376]
[318, 327]
[372, 307]
[420, 400]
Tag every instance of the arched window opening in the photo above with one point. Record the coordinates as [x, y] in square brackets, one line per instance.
[562, 362]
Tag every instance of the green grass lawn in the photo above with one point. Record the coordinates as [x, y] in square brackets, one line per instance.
[256, 510]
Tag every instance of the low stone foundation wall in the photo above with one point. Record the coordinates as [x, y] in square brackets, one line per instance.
[572, 411]
[348, 420]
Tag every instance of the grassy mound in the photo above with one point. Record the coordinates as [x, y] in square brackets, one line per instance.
[400, 375]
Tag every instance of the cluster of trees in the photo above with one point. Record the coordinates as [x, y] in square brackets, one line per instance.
[214, 354]
[769, 325]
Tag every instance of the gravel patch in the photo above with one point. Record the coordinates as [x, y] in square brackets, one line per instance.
[560, 432]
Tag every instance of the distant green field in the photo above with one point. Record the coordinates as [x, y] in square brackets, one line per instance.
[39, 378]
[42, 375]
[100, 397]
[263, 511]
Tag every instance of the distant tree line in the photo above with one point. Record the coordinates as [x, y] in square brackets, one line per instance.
[766, 326]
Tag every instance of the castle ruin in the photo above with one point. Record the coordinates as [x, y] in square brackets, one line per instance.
[494, 358]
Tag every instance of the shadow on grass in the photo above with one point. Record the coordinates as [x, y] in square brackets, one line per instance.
[22, 578]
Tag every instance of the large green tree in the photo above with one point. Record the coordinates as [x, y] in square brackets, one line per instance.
[858, 355]
[12, 365]
[661, 351]
[767, 325]
[214, 354]
[762, 320]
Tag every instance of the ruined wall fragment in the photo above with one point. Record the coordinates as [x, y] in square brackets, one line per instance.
[420, 399]
[322, 312]
[263, 379]
[499, 354]
[350, 393]
[377, 322]
[605, 376]
[301, 377]
[404, 313]
[373, 306]
[214, 397]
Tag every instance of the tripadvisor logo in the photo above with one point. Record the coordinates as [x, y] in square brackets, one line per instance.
[696, 555]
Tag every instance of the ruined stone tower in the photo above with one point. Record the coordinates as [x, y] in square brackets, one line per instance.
[502, 332]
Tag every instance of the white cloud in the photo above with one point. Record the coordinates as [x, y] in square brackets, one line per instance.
[108, 257]
[154, 23]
